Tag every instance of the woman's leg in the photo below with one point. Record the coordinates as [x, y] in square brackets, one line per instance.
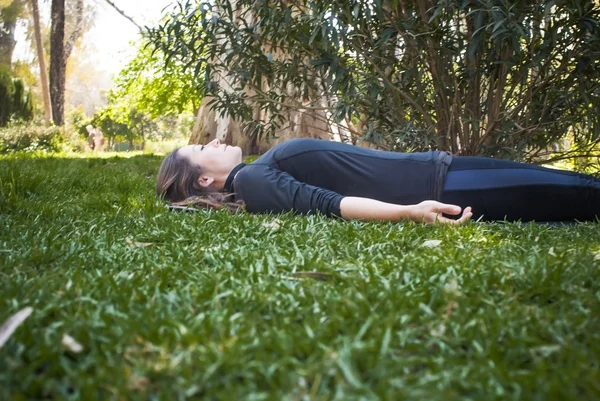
[501, 189]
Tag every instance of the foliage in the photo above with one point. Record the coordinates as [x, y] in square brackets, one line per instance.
[174, 127]
[142, 126]
[22, 102]
[490, 77]
[121, 124]
[173, 306]
[113, 125]
[78, 120]
[156, 85]
[15, 100]
[10, 10]
[20, 137]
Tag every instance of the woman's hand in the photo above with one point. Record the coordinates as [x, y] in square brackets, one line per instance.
[431, 211]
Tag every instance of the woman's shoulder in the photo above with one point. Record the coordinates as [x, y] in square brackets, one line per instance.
[291, 148]
[301, 145]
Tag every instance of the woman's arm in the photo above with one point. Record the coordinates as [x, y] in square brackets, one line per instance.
[265, 189]
[426, 211]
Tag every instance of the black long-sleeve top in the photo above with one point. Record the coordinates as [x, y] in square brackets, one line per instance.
[310, 175]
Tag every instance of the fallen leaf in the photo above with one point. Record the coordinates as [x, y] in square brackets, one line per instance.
[13, 322]
[133, 244]
[546, 350]
[431, 243]
[138, 383]
[273, 225]
[71, 344]
[452, 287]
[438, 331]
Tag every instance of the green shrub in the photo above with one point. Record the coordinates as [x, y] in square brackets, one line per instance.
[22, 102]
[31, 138]
[7, 92]
[15, 100]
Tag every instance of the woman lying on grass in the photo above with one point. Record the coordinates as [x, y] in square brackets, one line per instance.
[336, 179]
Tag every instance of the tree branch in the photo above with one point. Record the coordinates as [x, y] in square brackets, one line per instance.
[76, 31]
[117, 9]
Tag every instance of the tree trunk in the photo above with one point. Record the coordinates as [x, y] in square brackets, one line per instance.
[40, 52]
[301, 123]
[57, 61]
[76, 31]
[59, 54]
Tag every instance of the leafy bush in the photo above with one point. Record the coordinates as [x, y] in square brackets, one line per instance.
[30, 138]
[491, 77]
[15, 101]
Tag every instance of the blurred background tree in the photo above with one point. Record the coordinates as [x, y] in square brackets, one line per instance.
[157, 85]
[488, 77]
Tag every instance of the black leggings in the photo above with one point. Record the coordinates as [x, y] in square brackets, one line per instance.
[501, 189]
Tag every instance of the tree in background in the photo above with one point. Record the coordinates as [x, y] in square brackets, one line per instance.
[22, 102]
[122, 124]
[157, 85]
[113, 128]
[15, 100]
[152, 96]
[35, 11]
[7, 92]
[486, 77]
[10, 10]
[203, 52]
[59, 54]
[142, 126]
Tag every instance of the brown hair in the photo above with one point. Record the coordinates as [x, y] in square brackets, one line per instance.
[177, 183]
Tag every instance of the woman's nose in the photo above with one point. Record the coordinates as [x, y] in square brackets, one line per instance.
[216, 142]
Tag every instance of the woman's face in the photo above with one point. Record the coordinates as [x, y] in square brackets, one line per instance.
[215, 158]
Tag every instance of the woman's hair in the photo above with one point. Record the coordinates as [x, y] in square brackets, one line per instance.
[177, 183]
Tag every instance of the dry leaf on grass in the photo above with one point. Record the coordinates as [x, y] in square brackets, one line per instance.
[273, 225]
[431, 243]
[138, 383]
[133, 244]
[438, 331]
[13, 322]
[71, 344]
[452, 287]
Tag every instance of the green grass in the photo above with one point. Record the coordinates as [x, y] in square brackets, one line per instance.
[219, 309]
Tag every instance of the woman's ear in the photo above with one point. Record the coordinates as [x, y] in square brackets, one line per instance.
[205, 181]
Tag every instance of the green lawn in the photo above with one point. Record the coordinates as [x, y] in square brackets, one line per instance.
[244, 307]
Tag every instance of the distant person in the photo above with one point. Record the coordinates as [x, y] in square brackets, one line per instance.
[99, 140]
[91, 137]
[336, 179]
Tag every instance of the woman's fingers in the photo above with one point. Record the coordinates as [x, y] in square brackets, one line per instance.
[466, 216]
[448, 209]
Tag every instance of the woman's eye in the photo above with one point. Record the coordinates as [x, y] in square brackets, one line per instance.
[202, 148]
